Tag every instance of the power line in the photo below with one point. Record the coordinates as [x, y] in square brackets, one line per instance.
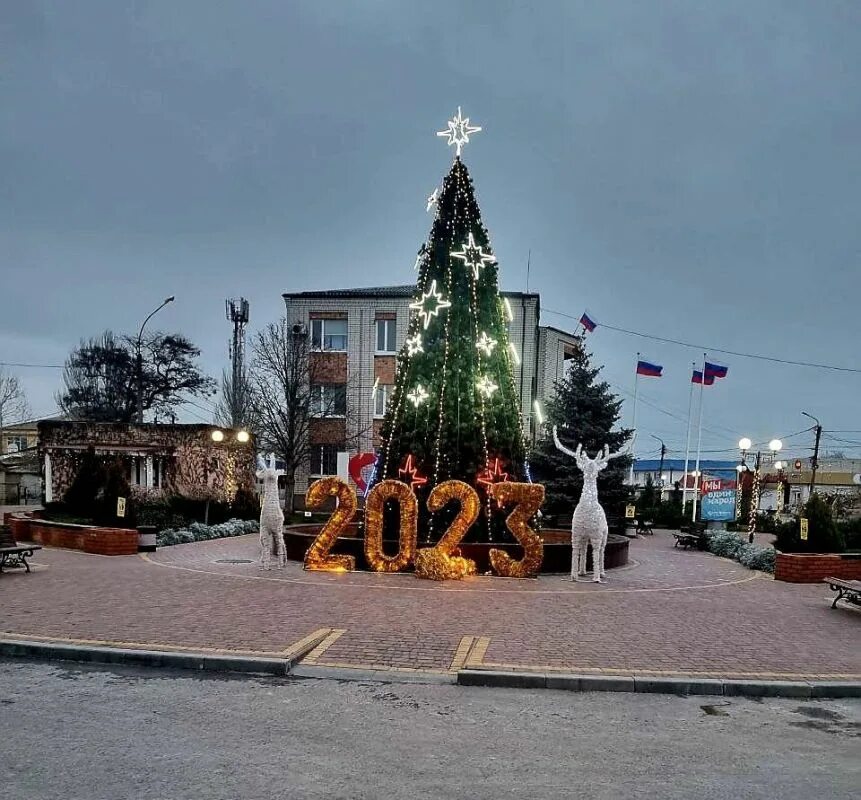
[33, 366]
[706, 348]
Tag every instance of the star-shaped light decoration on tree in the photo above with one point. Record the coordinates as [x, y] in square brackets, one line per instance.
[459, 131]
[473, 256]
[409, 473]
[414, 344]
[432, 200]
[418, 395]
[486, 386]
[492, 473]
[430, 305]
[485, 343]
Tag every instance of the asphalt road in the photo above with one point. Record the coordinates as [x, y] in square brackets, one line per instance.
[118, 733]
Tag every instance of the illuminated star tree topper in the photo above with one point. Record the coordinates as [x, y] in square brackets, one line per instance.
[458, 132]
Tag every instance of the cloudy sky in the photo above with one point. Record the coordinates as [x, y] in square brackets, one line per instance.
[685, 169]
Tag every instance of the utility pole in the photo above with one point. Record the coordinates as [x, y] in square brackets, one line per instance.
[661, 467]
[238, 313]
[814, 464]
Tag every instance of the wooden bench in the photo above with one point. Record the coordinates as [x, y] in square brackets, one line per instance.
[690, 535]
[850, 591]
[13, 554]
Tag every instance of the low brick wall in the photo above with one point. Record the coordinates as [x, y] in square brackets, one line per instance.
[101, 541]
[813, 567]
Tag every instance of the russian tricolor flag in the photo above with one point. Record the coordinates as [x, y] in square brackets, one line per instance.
[698, 378]
[648, 369]
[587, 322]
[715, 370]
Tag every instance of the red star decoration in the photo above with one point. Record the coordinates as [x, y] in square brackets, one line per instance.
[491, 475]
[409, 473]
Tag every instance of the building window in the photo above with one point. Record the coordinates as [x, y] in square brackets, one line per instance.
[381, 399]
[329, 334]
[386, 331]
[328, 400]
[16, 444]
[324, 459]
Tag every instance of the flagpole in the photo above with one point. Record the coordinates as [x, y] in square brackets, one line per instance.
[634, 422]
[699, 444]
[688, 440]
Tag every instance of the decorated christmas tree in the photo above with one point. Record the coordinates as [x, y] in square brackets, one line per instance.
[454, 413]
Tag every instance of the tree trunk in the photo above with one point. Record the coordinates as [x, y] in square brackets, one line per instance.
[289, 489]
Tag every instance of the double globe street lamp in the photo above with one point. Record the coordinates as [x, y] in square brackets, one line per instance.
[744, 445]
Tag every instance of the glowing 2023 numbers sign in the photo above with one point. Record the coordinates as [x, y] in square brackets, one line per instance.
[441, 561]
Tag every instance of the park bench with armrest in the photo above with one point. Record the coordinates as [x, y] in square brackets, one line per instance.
[691, 534]
[850, 591]
[13, 554]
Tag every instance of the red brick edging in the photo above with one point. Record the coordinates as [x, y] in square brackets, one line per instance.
[101, 541]
[813, 567]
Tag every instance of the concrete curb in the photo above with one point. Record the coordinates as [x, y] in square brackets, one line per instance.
[208, 662]
[679, 686]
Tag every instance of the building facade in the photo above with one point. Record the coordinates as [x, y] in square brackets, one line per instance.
[201, 462]
[355, 336]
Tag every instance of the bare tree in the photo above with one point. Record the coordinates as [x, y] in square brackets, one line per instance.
[13, 402]
[289, 388]
[233, 408]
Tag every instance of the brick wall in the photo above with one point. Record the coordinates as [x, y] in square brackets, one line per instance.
[813, 567]
[101, 541]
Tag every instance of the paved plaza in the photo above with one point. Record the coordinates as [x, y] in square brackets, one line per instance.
[669, 612]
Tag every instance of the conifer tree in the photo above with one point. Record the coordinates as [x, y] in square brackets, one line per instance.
[454, 413]
[586, 412]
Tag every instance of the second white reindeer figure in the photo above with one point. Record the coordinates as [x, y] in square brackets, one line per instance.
[589, 523]
[271, 516]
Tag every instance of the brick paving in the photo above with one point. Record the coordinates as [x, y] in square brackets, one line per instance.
[669, 612]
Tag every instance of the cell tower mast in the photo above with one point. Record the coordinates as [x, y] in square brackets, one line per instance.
[237, 313]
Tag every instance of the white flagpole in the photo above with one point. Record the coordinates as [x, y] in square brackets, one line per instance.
[699, 444]
[688, 440]
[634, 422]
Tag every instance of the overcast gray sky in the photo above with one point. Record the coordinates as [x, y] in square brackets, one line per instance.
[688, 169]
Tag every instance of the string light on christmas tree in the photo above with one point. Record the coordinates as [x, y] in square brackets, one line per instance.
[414, 344]
[486, 386]
[430, 305]
[473, 256]
[409, 473]
[486, 343]
[418, 395]
[458, 132]
[432, 199]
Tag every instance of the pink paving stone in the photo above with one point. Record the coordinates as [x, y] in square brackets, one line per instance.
[671, 611]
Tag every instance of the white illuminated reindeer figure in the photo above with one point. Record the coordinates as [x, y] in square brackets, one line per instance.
[271, 516]
[589, 523]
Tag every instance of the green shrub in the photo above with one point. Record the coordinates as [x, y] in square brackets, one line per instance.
[823, 535]
[89, 480]
[731, 545]
[724, 543]
[851, 532]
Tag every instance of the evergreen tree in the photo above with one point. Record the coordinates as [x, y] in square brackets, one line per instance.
[454, 413]
[585, 411]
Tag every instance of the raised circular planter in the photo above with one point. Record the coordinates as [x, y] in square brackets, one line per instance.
[557, 548]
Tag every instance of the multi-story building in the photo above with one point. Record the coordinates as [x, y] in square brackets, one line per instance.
[355, 335]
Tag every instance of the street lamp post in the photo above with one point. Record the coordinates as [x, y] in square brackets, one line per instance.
[661, 466]
[774, 446]
[139, 358]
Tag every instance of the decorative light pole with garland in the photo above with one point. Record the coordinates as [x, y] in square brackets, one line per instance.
[454, 413]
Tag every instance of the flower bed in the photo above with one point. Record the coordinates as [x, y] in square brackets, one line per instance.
[731, 545]
[198, 532]
[87, 538]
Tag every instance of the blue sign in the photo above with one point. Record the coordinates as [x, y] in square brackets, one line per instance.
[718, 506]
